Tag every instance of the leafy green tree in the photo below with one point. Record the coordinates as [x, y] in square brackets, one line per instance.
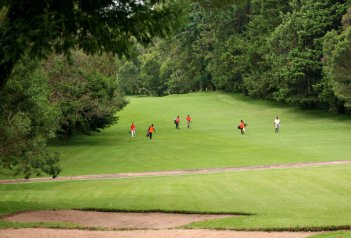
[27, 122]
[264, 48]
[86, 91]
[296, 49]
[61, 95]
[41, 27]
[192, 45]
[150, 74]
[337, 69]
[264, 17]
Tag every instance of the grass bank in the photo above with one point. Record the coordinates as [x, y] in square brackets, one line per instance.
[291, 198]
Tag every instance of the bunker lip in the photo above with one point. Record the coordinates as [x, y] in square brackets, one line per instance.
[178, 172]
[185, 212]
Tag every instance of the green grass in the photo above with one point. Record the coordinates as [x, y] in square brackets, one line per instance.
[213, 140]
[289, 199]
[280, 199]
[339, 234]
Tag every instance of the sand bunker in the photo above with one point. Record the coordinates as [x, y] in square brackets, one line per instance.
[145, 221]
[117, 220]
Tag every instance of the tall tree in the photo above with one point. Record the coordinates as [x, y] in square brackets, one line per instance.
[337, 69]
[86, 91]
[264, 17]
[27, 121]
[296, 49]
[40, 27]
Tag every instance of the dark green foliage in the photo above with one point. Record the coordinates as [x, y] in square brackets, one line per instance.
[150, 74]
[268, 49]
[130, 84]
[85, 90]
[296, 49]
[58, 97]
[40, 27]
[337, 69]
[83, 96]
[27, 121]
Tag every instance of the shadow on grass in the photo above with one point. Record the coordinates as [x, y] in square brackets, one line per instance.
[165, 211]
[97, 139]
[302, 113]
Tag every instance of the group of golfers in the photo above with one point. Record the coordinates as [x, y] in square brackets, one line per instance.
[241, 126]
[276, 124]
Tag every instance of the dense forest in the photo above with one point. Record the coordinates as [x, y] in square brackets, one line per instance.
[66, 68]
[297, 52]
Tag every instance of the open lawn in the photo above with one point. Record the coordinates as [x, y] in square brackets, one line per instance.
[212, 142]
[289, 199]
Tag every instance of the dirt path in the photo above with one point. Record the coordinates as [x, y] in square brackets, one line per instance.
[178, 172]
[50, 233]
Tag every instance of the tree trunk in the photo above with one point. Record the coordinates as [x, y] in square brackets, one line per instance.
[5, 71]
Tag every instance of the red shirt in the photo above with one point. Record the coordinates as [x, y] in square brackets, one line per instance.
[242, 125]
[132, 127]
[188, 118]
[151, 129]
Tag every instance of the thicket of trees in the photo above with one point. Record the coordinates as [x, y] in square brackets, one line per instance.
[54, 98]
[292, 51]
[49, 88]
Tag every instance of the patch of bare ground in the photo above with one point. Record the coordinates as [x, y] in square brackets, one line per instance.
[53, 233]
[178, 172]
[116, 220]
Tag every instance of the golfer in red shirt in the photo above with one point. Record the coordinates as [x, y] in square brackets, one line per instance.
[132, 130]
[177, 121]
[188, 119]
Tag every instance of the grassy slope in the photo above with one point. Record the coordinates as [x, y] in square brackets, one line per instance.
[280, 198]
[213, 140]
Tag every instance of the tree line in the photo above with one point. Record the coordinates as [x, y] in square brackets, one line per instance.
[296, 52]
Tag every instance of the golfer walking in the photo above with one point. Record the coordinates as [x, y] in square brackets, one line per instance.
[177, 121]
[276, 123]
[132, 130]
[150, 131]
[188, 120]
[242, 127]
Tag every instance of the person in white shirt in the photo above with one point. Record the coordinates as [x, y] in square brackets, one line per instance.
[276, 124]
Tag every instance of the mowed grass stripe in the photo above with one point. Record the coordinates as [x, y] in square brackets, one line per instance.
[280, 198]
[176, 172]
[212, 142]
